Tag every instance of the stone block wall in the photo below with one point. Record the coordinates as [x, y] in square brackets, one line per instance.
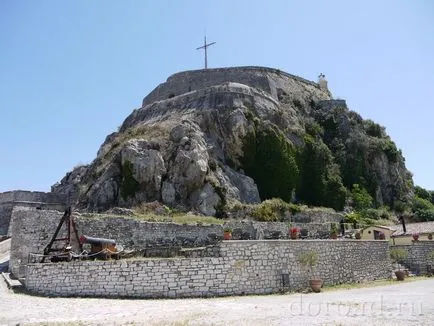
[10, 199]
[262, 78]
[245, 267]
[5, 217]
[138, 235]
[35, 228]
[30, 196]
[31, 231]
[417, 255]
[316, 222]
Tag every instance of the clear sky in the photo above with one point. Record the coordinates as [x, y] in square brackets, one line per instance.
[72, 71]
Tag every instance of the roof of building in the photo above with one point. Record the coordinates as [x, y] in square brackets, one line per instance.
[421, 227]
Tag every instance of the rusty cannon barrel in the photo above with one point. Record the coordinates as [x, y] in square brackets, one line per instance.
[96, 241]
[101, 247]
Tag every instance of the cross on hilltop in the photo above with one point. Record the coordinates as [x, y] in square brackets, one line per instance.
[205, 46]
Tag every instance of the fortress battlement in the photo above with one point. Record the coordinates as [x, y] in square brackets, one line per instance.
[262, 78]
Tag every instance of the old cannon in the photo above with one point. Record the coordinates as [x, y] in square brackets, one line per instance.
[65, 245]
[100, 247]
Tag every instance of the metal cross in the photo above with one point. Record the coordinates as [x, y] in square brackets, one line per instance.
[205, 46]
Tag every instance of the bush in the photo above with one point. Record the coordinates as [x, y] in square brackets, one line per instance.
[272, 210]
[264, 213]
[425, 215]
[420, 204]
[376, 213]
[398, 255]
[129, 185]
[373, 129]
[422, 193]
[400, 206]
[270, 160]
[308, 259]
[361, 198]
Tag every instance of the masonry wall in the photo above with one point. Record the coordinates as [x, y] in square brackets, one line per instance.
[134, 234]
[10, 199]
[417, 255]
[245, 267]
[35, 228]
[315, 222]
[262, 78]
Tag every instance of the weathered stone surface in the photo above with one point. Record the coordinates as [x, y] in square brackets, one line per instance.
[11, 199]
[244, 267]
[206, 200]
[417, 259]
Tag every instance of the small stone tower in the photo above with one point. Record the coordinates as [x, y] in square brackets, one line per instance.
[322, 82]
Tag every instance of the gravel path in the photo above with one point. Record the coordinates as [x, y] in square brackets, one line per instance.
[408, 303]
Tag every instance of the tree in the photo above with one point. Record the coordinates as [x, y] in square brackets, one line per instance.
[361, 198]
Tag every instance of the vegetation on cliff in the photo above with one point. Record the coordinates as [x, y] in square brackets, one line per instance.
[340, 159]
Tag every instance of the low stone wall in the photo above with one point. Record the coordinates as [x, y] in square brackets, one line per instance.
[417, 260]
[135, 234]
[245, 267]
[35, 228]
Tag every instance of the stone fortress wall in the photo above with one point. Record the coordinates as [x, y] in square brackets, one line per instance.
[417, 259]
[10, 199]
[36, 227]
[261, 78]
[244, 267]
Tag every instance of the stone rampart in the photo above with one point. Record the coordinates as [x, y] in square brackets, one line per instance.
[262, 78]
[29, 196]
[10, 199]
[245, 267]
[36, 227]
[140, 235]
[417, 260]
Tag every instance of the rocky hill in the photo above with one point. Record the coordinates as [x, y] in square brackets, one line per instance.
[207, 138]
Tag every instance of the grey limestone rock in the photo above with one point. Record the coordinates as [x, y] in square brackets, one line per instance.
[206, 200]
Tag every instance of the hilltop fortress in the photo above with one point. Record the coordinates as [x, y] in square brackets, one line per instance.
[215, 142]
[269, 80]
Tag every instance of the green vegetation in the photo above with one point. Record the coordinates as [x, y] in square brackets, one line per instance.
[273, 210]
[361, 198]
[129, 185]
[308, 260]
[338, 159]
[422, 205]
[179, 218]
[271, 161]
[320, 183]
[398, 255]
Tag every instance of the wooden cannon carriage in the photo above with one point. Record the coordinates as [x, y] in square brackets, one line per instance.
[61, 245]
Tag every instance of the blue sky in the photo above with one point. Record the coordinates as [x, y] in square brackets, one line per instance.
[72, 71]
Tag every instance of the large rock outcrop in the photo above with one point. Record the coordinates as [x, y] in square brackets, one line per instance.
[207, 137]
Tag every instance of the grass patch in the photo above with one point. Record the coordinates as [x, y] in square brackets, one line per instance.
[178, 218]
[370, 284]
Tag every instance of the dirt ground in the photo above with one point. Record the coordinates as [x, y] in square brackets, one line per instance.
[407, 303]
